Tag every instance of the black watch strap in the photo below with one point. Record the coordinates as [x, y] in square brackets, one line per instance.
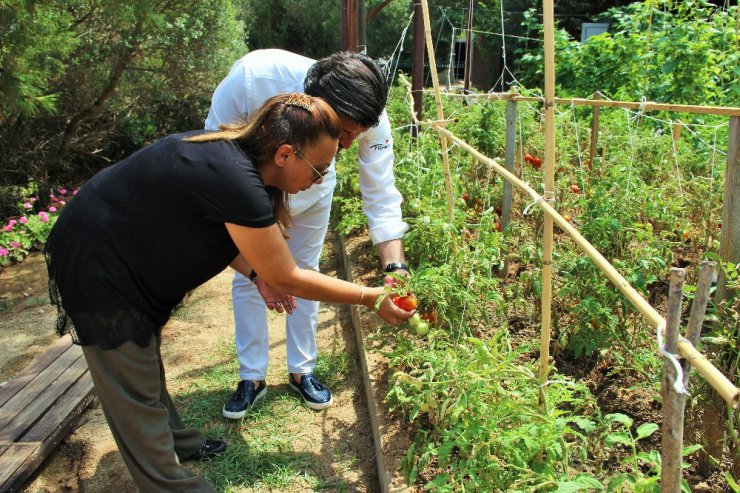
[395, 266]
[253, 276]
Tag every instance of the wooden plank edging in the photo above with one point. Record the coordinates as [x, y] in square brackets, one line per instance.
[385, 477]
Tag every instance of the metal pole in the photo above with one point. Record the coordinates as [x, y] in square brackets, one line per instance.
[468, 47]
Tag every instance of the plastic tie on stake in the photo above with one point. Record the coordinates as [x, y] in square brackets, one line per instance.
[535, 197]
[678, 385]
[641, 110]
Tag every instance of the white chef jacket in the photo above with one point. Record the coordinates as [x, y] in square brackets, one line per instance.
[261, 74]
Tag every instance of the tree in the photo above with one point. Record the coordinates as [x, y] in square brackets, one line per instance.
[120, 74]
[31, 52]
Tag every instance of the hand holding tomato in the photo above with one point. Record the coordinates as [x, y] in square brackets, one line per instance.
[406, 303]
[386, 309]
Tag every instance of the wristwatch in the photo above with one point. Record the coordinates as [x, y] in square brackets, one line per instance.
[253, 276]
[393, 266]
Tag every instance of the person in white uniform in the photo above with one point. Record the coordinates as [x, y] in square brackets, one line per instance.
[354, 86]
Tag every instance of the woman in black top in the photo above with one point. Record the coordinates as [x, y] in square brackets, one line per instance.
[142, 233]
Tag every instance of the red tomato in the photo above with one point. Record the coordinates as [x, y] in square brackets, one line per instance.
[430, 317]
[466, 197]
[406, 303]
[537, 162]
[575, 188]
[528, 158]
[498, 227]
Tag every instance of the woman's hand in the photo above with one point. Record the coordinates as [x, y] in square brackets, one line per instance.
[387, 310]
[275, 300]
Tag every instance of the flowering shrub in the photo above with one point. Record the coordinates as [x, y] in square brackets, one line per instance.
[28, 232]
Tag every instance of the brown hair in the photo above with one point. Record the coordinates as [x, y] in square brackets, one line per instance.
[294, 119]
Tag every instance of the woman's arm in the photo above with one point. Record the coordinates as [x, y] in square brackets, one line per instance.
[265, 250]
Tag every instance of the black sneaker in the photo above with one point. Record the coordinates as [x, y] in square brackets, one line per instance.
[211, 449]
[314, 394]
[243, 398]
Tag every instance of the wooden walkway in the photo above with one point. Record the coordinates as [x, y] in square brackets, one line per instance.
[38, 408]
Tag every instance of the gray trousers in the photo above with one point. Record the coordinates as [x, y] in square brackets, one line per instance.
[130, 383]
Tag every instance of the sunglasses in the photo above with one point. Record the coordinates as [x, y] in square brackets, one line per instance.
[319, 174]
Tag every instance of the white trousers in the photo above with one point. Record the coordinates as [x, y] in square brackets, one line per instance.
[306, 241]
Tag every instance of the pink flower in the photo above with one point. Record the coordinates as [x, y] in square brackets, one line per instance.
[53, 198]
[12, 223]
[32, 199]
[23, 220]
[61, 202]
[63, 191]
[7, 227]
[15, 244]
[4, 252]
[52, 209]
[27, 205]
[74, 192]
[44, 216]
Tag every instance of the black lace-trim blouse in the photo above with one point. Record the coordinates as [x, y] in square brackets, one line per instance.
[142, 233]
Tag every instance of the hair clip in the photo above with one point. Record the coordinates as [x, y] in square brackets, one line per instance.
[300, 100]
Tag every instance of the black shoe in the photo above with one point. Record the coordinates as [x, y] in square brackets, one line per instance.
[243, 398]
[314, 394]
[211, 449]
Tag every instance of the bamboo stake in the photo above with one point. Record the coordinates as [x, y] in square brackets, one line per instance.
[547, 234]
[440, 110]
[677, 128]
[701, 300]
[712, 375]
[646, 106]
[594, 133]
[673, 402]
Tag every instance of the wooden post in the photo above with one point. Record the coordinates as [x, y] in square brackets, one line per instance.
[594, 133]
[676, 134]
[729, 248]
[348, 24]
[417, 67]
[361, 43]
[673, 402]
[549, 20]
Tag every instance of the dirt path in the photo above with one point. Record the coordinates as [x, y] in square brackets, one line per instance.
[338, 439]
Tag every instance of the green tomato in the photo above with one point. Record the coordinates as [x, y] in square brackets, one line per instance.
[415, 320]
[422, 328]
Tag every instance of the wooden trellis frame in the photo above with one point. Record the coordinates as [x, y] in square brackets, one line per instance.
[726, 389]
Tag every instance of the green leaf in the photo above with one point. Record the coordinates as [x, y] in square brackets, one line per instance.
[691, 449]
[620, 418]
[617, 438]
[582, 482]
[645, 430]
